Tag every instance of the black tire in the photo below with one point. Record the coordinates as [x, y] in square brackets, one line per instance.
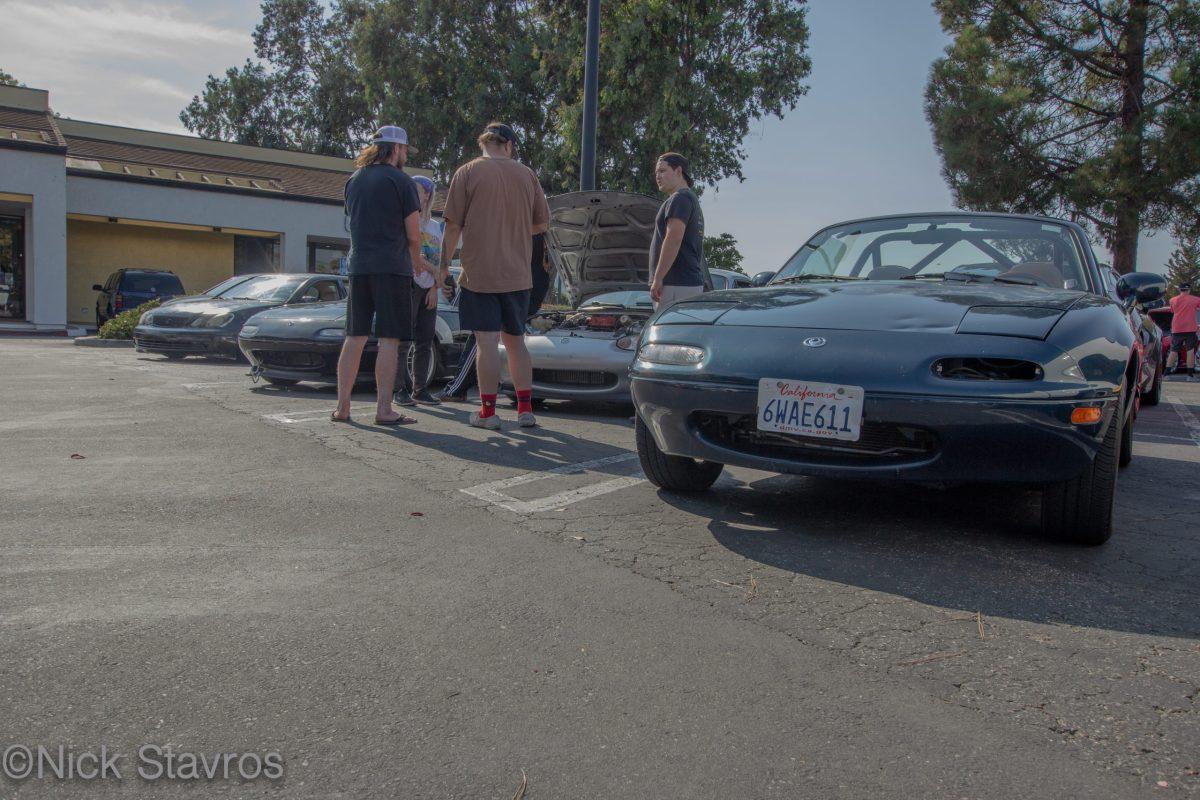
[1080, 510]
[673, 473]
[1154, 396]
[280, 381]
[435, 365]
[1126, 451]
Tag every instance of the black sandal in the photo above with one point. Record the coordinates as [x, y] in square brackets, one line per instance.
[400, 420]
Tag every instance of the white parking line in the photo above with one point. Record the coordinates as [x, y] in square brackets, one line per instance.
[298, 417]
[1188, 418]
[209, 385]
[491, 492]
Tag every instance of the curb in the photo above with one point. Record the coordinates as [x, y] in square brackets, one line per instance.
[96, 341]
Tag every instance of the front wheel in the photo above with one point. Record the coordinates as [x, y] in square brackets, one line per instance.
[674, 473]
[1126, 452]
[1081, 510]
[1154, 396]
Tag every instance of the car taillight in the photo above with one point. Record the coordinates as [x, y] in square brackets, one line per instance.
[602, 322]
[118, 302]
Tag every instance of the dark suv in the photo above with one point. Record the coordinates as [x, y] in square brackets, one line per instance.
[129, 288]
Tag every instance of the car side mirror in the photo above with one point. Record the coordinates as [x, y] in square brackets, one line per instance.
[97, 287]
[762, 279]
[1141, 287]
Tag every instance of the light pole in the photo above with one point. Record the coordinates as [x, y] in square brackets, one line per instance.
[591, 83]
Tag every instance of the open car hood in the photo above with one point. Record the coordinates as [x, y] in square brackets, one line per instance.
[600, 241]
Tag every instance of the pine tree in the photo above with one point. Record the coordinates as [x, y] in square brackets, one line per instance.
[1184, 264]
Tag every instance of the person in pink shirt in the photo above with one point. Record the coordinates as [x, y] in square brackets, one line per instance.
[1184, 308]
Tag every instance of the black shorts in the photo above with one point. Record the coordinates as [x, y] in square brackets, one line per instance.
[384, 299]
[1183, 342]
[493, 311]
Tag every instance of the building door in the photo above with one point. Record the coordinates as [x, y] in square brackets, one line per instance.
[12, 267]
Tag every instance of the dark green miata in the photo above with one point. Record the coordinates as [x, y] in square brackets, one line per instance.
[939, 347]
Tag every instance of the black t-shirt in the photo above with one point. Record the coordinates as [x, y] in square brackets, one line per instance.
[378, 199]
[688, 269]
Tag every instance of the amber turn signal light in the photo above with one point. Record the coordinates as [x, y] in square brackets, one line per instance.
[1086, 416]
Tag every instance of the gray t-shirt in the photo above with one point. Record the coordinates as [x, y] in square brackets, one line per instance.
[688, 269]
[379, 198]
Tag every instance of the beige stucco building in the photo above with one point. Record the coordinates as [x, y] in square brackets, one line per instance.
[79, 200]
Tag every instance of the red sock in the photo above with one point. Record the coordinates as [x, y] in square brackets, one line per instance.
[488, 409]
[524, 401]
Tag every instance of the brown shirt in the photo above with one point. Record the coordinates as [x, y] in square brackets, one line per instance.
[497, 202]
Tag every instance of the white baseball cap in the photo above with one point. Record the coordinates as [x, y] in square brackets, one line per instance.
[391, 134]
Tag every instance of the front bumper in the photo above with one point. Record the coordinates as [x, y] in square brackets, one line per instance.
[188, 341]
[575, 368]
[912, 437]
[299, 359]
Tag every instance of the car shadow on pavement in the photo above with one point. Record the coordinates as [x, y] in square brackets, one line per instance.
[529, 449]
[967, 548]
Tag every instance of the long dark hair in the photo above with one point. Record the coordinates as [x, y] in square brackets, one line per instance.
[376, 153]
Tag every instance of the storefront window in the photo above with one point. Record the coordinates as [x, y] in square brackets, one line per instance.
[327, 257]
[253, 254]
[12, 267]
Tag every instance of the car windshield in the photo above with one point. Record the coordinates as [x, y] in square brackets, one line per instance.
[983, 248]
[153, 282]
[619, 300]
[224, 286]
[268, 287]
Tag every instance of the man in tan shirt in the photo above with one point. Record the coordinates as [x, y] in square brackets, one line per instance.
[496, 205]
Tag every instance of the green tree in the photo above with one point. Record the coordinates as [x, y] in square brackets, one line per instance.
[309, 98]
[686, 75]
[444, 70]
[1082, 108]
[7, 80]
[682, 75]
[1184, 264]
[721, 252]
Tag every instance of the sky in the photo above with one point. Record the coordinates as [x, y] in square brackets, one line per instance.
[856, 145]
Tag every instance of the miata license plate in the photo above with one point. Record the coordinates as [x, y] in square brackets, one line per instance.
[825, 410]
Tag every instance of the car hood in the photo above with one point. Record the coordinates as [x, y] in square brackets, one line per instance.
[1025, 311]
[600, 241]
[214, 305]
[301, 319]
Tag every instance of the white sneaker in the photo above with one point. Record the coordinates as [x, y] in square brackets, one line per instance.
[491, 423]
[526, 419]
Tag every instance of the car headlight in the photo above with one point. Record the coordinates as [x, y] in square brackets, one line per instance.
[682, 355]
[249, 330]
[217, 321]
[330, 333]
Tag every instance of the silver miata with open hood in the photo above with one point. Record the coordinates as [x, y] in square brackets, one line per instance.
[599, 242]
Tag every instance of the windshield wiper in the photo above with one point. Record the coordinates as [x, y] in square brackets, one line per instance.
[968, 277]
[802, 278]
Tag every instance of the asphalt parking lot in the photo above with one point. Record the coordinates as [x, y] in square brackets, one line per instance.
[187, 558]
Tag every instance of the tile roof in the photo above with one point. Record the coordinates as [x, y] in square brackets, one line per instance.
[24, 128]
[138, 162]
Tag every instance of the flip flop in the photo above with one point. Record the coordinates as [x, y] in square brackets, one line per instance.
[400, 420]
[333, 417]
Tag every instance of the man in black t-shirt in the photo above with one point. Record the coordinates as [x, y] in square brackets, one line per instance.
[677, 268]
[385, 246]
